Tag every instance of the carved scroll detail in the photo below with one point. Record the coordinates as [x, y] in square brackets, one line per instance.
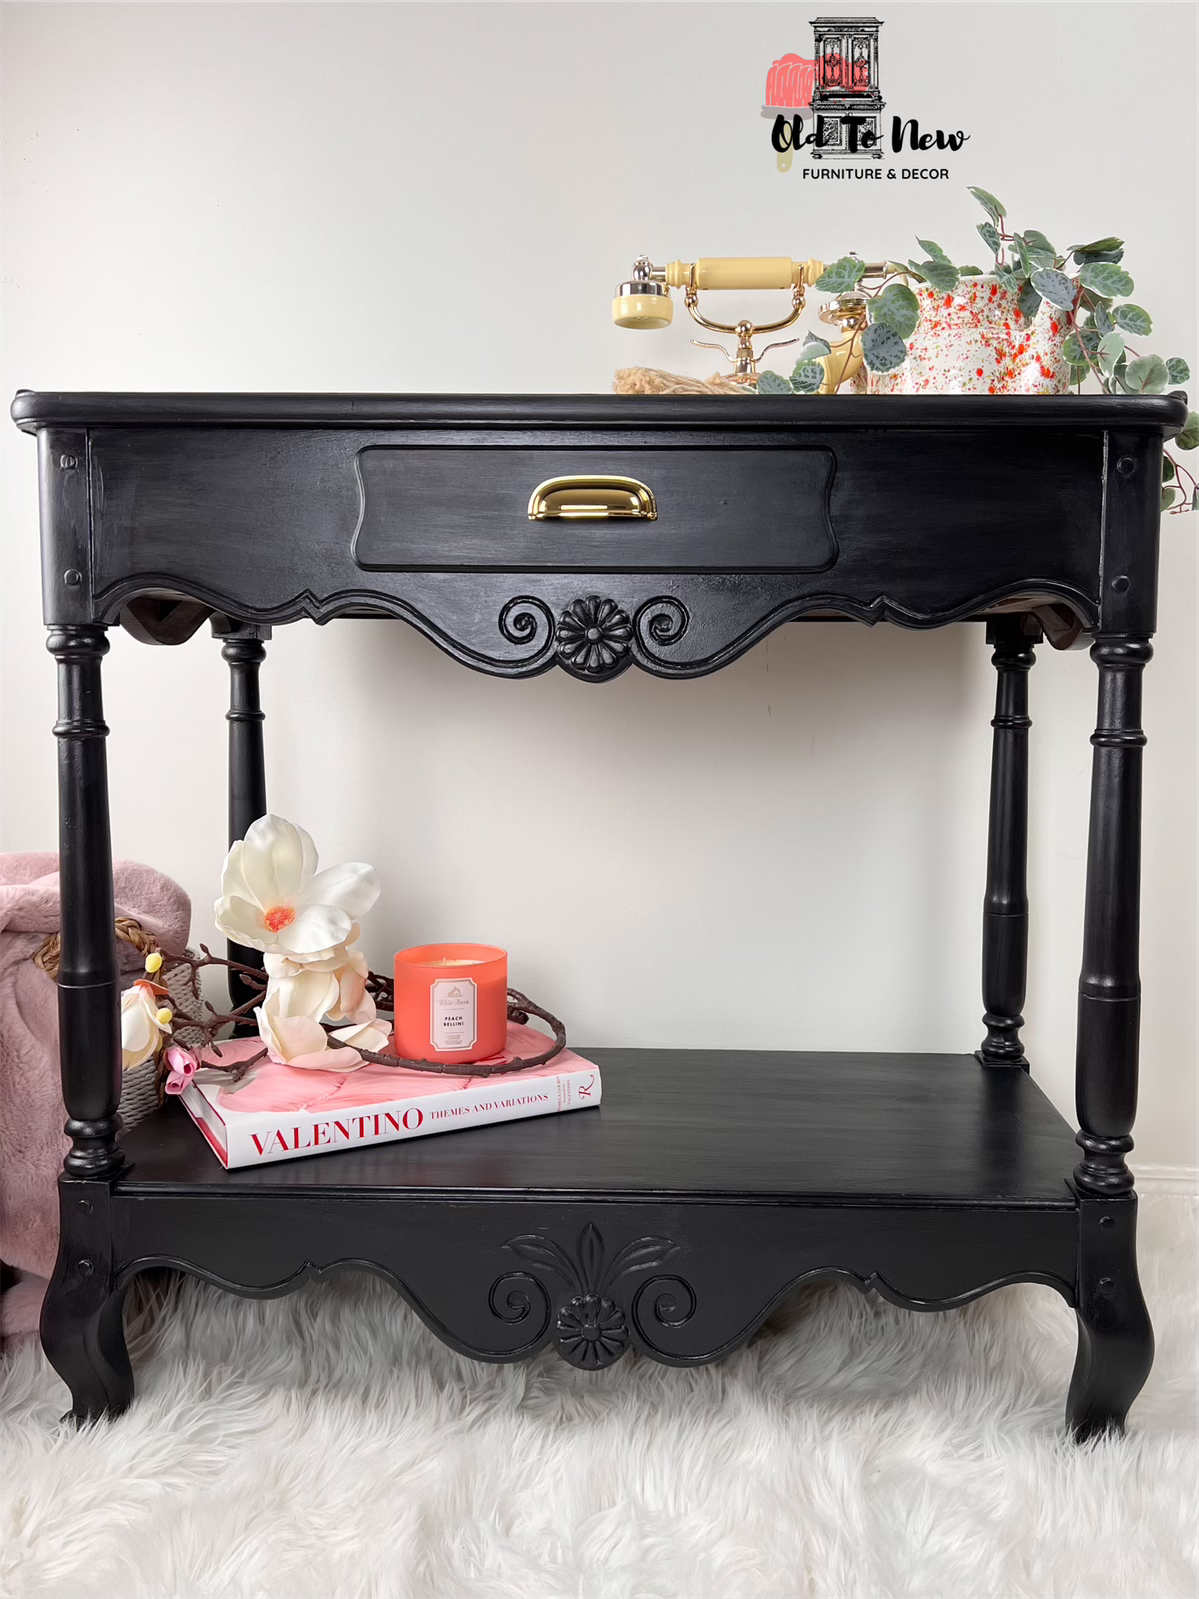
[591, 1328]
[658, 624]
[529, 623]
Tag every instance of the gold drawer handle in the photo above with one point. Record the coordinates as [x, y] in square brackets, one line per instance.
[591, 498]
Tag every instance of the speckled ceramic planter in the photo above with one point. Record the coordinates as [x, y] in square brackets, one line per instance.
[977, 341]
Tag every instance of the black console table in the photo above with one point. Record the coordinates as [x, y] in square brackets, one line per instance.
[595, 533]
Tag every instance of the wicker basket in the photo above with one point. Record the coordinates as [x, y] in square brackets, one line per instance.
[141, 1093]
[141, 1086]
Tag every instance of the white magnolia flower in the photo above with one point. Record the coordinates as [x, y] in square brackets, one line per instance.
[365, 1035]
[299, 997]
[343, 998]
[289, 1039]
[353, 1003]
[296, 990]
[302, 1041]
[274, 899]
[144, 1024]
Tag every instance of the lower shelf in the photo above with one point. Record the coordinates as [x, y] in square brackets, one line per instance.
[701, 1125]
[671, 1220]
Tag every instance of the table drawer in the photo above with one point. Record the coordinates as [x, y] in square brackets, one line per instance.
[439, 508]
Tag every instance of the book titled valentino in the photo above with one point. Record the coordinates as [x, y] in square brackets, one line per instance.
[278, 1112]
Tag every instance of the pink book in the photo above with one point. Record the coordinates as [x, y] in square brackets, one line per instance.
[280, 1112]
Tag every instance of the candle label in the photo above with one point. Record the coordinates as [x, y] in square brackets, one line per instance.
[453, 1014]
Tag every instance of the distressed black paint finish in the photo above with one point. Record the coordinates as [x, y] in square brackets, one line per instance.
[762, 1126]
[89, 1036]
[1005, 911]
[671, 1220]
[1109, 989]
[418, 514]
[81, 1325]
[244, 652]
[179, 511]
[1115, 1338]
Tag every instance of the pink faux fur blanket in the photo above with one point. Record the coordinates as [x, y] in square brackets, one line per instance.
[31, 1138]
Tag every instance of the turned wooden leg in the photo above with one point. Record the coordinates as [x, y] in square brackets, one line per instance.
[1109, 989]
[1115, 1336]
[88, 985]
[1005, 907]
[244, 651]
[81, 1317]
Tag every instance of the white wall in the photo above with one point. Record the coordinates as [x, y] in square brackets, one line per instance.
[441, 198]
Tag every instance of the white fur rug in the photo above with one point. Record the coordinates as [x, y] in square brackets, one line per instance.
[326, 1445]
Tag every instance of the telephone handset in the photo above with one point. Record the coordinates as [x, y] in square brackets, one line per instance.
[644, 303]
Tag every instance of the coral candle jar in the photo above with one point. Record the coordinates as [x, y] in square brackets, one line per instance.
[451, 1002]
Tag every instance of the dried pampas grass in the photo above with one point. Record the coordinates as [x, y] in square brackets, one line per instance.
[652, 380]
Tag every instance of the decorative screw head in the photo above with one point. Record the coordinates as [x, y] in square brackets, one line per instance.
[85, 1205]
[72, 577]
[1107, 1221]
[85, 1268]
[68, 463]
[1120, 584]
[1106, 1285]
[1126, 466]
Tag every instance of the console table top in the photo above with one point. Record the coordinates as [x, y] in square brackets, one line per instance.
[33, 409]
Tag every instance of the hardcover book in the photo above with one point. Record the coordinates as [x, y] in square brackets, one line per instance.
[278, 1112]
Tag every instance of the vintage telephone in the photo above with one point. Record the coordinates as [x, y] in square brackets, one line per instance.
[644, 302]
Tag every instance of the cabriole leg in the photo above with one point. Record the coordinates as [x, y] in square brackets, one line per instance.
[1115, 1336]
[244, 651]
[1005, 909]
[82, 1332]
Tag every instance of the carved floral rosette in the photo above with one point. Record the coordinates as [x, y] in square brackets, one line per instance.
[592, 1328]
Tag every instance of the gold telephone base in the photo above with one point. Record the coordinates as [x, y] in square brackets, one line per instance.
[843, 364]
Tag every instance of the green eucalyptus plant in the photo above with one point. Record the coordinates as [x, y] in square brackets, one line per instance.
[1084, 284]
[892, 308]
[894, 315]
